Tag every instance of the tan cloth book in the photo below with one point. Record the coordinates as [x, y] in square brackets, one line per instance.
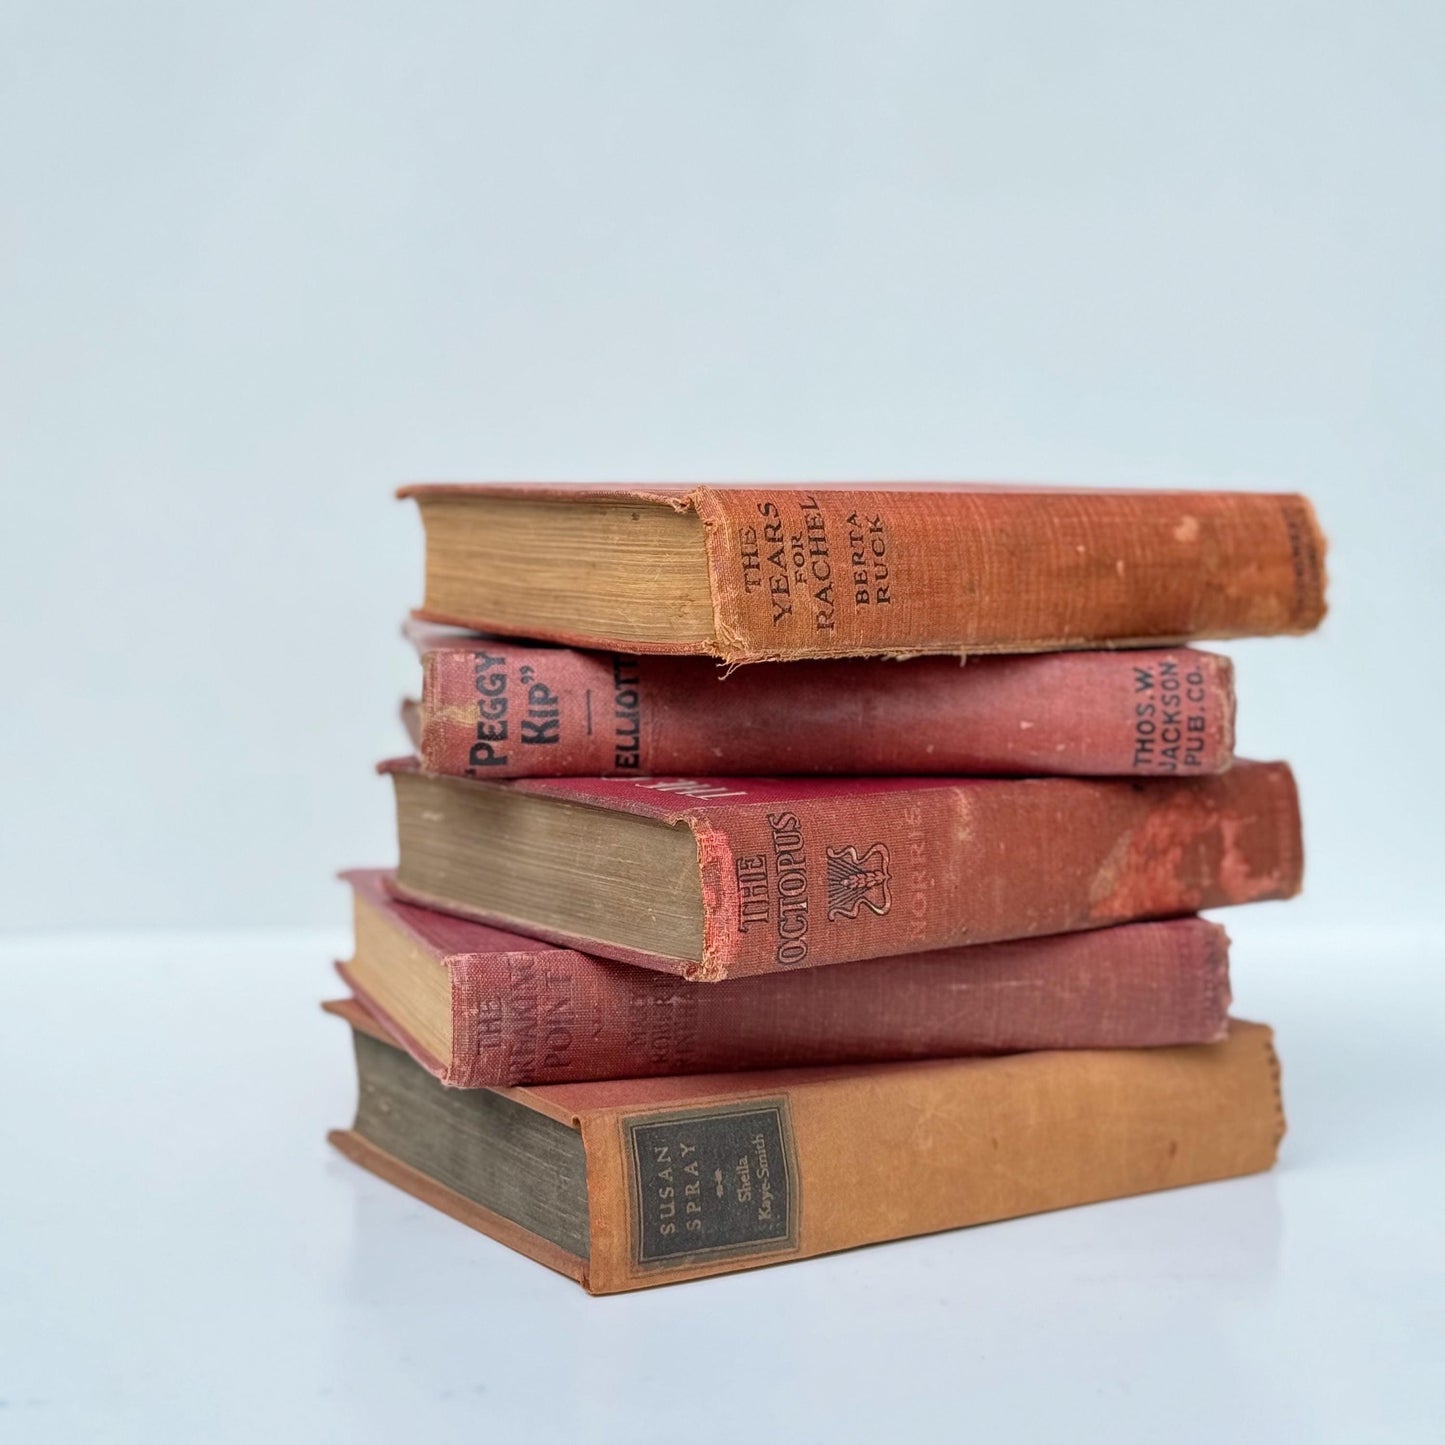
[623, 1185]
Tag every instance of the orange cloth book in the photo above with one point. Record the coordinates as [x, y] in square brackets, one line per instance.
[650, 1181]
[751, 573]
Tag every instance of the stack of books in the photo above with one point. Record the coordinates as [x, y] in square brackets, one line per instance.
[790, 868]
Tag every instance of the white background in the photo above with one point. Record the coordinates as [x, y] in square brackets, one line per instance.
[261, 262]
[264, 261]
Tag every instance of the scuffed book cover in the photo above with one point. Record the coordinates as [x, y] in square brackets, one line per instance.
[524, 1012]
[844, 569]
[688, 1177]
[493, 708]
[799, 872]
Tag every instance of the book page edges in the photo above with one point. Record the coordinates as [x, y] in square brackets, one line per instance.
[428, 1191]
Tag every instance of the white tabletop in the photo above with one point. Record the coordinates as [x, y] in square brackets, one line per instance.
[183, 1258]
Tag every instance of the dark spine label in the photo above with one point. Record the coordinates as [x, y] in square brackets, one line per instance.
[712, 1183]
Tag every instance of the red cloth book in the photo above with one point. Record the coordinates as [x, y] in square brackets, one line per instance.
[477, 1006]
[713, 878]
[492, 708]
[768, 572]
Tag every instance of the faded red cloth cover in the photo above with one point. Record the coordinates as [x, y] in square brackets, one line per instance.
[524, 1012]
[823, 569]
[801, 871]
[493, 709]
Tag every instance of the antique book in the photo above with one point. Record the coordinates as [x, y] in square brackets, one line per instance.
[622, 1185]
[715, 877]
[750, 573]
[479, 1007]
[494, 709]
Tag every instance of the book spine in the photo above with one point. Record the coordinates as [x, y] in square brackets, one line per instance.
[491, 710]
[550, 1017]
[795, 573]
[857, 1157]
[865, 875]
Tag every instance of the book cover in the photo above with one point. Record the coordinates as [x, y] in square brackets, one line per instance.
[783, 874]
[642, 1182]
[520, 1011]
[750, 573]
[493, 708]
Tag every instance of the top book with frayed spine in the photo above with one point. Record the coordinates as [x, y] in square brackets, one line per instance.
[753, 573]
